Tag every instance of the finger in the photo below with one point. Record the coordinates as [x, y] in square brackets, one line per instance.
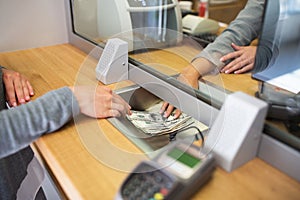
[231, 55]
[169, 110]
[120, 108]
[19, 90]
[244, 69]
[109, 113]
[237, 64]
[115, 113]
[30, 88]
[113, 101]
[163, 107]
[10, 94]
[12, 102]
[25, 90]
[177, 113]
[233, 65]
[118, 99]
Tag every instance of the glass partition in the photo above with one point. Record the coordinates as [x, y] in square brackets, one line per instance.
[277, 66]
[153, 30]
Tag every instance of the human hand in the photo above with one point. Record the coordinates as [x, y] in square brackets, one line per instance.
[243, 59]
[100, 102]
[189, 76]
[18, 88]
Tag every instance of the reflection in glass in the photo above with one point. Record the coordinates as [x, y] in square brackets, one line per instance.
[151, 23]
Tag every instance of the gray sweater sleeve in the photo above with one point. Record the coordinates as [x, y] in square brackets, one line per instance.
[241, 31]
[22, 125]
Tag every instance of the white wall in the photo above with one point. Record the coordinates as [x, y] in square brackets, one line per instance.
[32, 23]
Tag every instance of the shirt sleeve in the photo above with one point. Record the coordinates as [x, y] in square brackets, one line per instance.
[245, 28]
[22, 125]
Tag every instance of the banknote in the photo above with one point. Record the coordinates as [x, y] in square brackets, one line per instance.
[153, 123]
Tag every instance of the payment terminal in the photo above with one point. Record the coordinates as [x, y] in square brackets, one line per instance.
[177, 173]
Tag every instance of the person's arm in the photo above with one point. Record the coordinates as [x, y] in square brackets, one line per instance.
[23, 124]
[241, 31]
[190, 75]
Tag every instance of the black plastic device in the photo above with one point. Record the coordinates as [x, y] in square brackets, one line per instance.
[283, 105]
[176, 173]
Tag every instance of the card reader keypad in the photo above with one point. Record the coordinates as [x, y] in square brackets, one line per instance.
[150, 185]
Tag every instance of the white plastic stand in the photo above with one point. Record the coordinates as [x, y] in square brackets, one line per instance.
[235, 135]
[113, 64]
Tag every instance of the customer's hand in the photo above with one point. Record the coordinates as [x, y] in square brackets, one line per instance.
[100, 102]
[242, 59]
[18, 88]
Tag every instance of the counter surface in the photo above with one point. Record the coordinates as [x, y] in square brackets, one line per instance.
[81, 176]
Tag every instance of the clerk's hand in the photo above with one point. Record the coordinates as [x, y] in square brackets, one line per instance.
[189, 76]
[18, 88]
[242, 59]
[100, 102]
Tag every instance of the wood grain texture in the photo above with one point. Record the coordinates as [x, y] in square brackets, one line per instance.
[81, 175]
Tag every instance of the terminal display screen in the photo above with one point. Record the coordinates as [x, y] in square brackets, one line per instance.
[184, 157]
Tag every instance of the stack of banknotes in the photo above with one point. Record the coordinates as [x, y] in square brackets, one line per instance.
[154, 124]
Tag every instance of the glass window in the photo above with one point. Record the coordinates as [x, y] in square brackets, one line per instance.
[158, 45]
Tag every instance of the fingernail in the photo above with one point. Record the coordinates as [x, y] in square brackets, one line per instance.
[27, 98]
[227, 71]
[222, 59]
[14, 104]
[22, 100]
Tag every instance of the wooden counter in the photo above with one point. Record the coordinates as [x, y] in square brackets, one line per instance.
[80, 175]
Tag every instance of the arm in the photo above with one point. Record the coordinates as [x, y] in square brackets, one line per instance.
[23, 124]
[190, 76]
[242, 59]
[241, 32]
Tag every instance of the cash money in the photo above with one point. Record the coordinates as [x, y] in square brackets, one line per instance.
[153, 123]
